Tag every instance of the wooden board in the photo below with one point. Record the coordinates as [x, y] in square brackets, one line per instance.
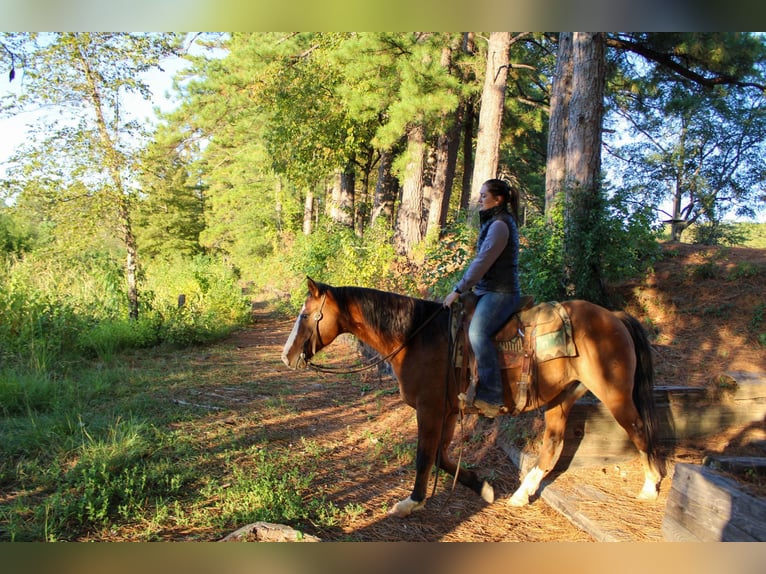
[705, 506]
[594, 438]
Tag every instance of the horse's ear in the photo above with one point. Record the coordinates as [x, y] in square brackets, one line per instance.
[313, 287]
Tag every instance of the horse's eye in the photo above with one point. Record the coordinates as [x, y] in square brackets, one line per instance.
[304, 316]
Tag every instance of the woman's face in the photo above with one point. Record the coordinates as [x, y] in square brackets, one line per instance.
[487, 200]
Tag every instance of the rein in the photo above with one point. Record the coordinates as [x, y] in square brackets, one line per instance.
[347, 371]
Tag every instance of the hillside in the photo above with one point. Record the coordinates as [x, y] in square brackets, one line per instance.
[705, 310]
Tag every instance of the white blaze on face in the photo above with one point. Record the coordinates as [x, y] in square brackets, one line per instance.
[291, 339]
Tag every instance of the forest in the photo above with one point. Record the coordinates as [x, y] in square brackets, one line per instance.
[352, 158]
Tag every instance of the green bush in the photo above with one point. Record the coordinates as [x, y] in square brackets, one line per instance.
[613, 243]
[718, 233]
[54, 312]
[337, 256]
[213, 300]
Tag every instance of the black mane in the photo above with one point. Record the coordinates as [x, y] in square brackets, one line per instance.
[392, 315]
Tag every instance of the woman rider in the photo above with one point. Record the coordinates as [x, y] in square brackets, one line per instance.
[494, 277]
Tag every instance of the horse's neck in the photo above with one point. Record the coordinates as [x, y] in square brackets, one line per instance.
[382, 338]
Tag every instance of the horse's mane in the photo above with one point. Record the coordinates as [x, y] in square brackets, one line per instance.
[392, 315]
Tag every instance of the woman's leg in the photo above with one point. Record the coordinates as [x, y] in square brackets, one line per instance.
[492, 312]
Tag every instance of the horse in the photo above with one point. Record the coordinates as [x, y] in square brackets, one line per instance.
[613, 361]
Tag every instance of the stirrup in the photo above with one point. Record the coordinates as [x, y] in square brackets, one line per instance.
[489, 410]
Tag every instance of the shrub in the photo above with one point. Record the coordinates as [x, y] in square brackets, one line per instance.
[718, 233]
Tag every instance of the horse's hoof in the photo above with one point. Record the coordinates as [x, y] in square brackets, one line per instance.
[647, 496]
[406, 507]
[518, 500]
[650, 491]
[487, 493]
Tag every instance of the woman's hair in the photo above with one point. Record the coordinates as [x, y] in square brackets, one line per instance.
[510, 195]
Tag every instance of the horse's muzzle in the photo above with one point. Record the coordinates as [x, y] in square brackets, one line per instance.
[299, 363]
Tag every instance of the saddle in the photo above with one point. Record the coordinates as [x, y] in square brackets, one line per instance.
[534, 334]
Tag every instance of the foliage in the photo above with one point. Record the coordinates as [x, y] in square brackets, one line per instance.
[755, 234]
[335, 255]
[694, 139]
[56, 310]
[447, 257]
[717, 233]
[621, 242]
[170, 211]
[213, 304]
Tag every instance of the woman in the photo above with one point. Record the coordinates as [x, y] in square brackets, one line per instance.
[494, 277]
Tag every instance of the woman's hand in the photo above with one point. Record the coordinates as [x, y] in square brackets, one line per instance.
[450, 299]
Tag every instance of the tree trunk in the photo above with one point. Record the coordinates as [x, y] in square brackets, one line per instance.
[361, 211]
[583, 164]
[114, 164]
[341, 208]
[491, 113]
[410, 219]
[308, 212]
[561, 93]
[586, 112]
[444, 176]
[445, 156]
[386, 190]
[468, 118]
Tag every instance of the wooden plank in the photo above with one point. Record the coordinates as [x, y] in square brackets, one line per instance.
[594, 438]
[703, 505]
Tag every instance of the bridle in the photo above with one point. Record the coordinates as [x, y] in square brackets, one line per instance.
[317, 337]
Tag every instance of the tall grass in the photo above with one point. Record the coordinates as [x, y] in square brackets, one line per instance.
[53, 312]
[75, 438]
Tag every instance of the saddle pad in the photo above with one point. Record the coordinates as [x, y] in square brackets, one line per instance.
[549, 326]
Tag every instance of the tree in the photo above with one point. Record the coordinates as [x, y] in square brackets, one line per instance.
[88, 76]
[709, 60]
[698, 146]
[491, 113]
[170, 207]
[575, 153]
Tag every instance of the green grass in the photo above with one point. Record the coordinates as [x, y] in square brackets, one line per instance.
[104, 453]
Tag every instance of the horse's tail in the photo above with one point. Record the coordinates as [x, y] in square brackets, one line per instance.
[643, 385]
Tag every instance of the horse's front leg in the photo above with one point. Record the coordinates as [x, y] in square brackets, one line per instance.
[465, 476]
[429, 434]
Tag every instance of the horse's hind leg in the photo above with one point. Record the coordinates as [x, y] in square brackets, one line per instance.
[626, 414]
[553, 443]
[466, 477]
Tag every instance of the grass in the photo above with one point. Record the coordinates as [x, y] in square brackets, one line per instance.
[107, 452]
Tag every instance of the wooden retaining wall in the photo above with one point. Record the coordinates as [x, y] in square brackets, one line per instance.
[594, 438]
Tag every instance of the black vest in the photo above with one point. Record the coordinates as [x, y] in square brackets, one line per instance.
[503, 276]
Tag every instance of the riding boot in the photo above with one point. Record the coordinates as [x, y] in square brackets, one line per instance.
[489, 397]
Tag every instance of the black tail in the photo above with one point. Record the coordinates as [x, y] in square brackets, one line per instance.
[643, 385]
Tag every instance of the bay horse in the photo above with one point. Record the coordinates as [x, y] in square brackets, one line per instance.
[613, 361]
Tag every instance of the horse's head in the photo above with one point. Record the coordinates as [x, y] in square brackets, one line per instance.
[315, 327]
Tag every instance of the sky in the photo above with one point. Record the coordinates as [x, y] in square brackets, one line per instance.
[14, 129]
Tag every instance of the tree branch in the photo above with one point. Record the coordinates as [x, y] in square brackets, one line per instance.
[667, 60]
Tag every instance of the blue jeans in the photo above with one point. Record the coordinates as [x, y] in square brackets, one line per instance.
[492, 312]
